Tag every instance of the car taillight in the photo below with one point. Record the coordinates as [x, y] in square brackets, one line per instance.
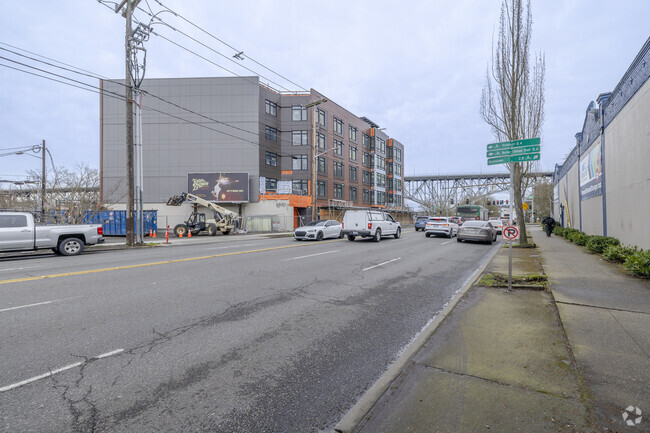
[342, 225]
[369, 226]
[100, 230]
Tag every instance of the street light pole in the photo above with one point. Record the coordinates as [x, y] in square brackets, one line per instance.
[43, 184]
[314, 162]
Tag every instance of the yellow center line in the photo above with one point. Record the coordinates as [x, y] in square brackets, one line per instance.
[166, 262]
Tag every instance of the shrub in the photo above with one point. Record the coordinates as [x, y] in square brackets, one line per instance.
[618, 253]
[597, 244]
[579, 238]
[639, 263]
[558, 231]
[569, 232]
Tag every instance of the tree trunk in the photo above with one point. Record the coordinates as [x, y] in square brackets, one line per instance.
[517, 198]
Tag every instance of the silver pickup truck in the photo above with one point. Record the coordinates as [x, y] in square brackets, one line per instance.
[18, 232]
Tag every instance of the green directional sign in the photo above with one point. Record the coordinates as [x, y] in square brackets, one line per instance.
[524, 149]
[522, 158]
[504, 145]
[500, 160]
[499, 152]
[526, 142]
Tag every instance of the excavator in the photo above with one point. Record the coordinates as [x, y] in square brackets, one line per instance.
[224, 220]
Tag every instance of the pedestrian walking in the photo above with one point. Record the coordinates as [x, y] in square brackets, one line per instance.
[549, 224]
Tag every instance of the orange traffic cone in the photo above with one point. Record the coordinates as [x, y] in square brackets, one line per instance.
[180, 234]
[189, 233]
[150, 234]
[154, 233]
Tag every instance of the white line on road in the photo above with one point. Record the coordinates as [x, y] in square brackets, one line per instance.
[55, 371]
[311, 255]
[17, 269]
[37, 304]
[381, 264]
[445, 243]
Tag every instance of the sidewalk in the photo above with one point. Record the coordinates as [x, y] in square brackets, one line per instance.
[502, 361]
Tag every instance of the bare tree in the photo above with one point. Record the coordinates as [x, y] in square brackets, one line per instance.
[512, 101]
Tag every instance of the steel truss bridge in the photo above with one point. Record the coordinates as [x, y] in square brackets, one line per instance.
[441, 190]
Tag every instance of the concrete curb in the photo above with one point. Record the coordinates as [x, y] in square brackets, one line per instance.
[362, 407]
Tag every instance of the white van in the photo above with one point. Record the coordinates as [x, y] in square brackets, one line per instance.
[370, 223]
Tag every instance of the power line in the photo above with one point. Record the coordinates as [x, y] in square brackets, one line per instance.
[228, 45]
[98, 90]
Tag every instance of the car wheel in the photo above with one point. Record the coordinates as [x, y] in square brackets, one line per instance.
[398, 233]
[319, 236]
[427, 234]
[377, 236]
[212, 229]
[458, 239]
[451, 234]
[71, 247]
[350, 237]
[341, 234]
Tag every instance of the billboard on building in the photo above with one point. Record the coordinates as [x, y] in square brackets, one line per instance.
[219, 187]
[591, 174]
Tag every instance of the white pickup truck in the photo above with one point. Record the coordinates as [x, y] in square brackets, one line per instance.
[18, 232]
[370, 223]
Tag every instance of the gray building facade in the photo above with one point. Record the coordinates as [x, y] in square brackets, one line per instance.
[238, 125]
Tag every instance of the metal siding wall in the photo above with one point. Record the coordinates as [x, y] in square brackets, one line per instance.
[627, 153]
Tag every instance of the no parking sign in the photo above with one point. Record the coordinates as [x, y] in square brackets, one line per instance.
[510, 232]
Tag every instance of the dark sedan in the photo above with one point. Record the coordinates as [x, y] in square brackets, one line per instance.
[481, 231]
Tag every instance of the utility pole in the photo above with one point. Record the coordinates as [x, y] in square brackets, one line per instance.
[314, 160]
[43, 184]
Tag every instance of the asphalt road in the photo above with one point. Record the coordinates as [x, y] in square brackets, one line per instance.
[237, 334]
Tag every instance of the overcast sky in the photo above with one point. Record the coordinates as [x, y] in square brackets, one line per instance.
[416, 70]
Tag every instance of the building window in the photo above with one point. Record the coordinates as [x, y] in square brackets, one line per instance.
[321, 117]
[366, 141]
[338, 191]
[338, 125]
[398, 170]
[299, 138]
[271, 185]
[398, 154]
[353, 193]
[381, 145]
[353, 173]
[338, 148]
[299, 187]
[338, 169]
[322, 188]
[367, 177]
[353, 153]
[299, 162]
[367, 160]
[271, 108]
[366, 196]
[322, 165]
[271, 133]
[321, 141]
[381, 180]
[271, 159]
[381, 162]
[353, 133]
[298, 113]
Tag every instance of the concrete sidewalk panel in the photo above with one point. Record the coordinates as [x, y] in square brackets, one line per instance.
[428, 400]
[613, 350]
[512, 339]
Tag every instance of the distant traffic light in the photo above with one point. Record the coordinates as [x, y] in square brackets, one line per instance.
[488, 203]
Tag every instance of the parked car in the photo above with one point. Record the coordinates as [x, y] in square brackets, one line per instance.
[370, 224]
[420, 222]
[440, 226]
[318, 230]
[19, 232]
[481, 231]
[456, 220]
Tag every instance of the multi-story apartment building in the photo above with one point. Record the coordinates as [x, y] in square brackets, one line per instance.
[237, 125]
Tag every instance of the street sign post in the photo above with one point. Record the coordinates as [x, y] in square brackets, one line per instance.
[525, 157]
[510, 232]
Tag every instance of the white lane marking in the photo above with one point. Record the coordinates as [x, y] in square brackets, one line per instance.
[381, 264]
[37, 304]
[55, 371]
[17, 269]
[234, 246]
[445, 243]
[311, 255]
